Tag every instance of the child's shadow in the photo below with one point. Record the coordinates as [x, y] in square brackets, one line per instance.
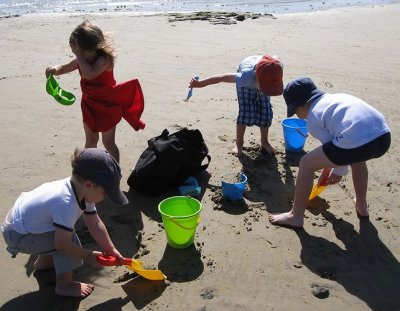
[124, 225]
[139, 291]
[181, 265]
[43, 299]
[270, 179]
[365, 267]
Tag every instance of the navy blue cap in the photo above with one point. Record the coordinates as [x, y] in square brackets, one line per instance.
[100, 167]
[298, 92]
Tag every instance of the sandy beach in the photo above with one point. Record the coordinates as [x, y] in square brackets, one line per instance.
[239, 261]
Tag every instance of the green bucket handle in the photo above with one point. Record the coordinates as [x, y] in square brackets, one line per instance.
[185, 228]
[179, 225]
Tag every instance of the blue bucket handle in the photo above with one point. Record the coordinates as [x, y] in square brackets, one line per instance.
[301, 133]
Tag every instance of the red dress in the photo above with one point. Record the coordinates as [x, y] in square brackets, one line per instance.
[104, 102]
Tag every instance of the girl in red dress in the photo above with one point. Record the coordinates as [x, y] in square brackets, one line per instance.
[104, 102]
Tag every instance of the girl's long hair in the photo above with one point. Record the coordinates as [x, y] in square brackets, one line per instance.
[90, 38]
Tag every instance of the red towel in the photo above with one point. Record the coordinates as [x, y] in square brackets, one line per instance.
[104, 102]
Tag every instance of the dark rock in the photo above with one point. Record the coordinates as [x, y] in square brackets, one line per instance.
[320, 291]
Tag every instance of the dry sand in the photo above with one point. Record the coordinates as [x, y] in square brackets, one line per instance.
[239, 260]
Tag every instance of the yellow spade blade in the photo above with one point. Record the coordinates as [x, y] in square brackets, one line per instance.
[154, 275]
[316, 190]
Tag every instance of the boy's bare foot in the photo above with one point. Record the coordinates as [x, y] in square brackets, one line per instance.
[44, 262]
[74, 289]
[286, 219]
[267, 148]
[361, 209]
[237, 150]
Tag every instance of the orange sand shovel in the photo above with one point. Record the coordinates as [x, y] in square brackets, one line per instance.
[134, 265]
[319, 187]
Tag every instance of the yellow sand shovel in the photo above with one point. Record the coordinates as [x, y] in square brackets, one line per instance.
[316, 190]
[131, 264]
[319, 187]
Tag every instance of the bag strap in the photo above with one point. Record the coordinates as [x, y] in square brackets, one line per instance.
[204, 166]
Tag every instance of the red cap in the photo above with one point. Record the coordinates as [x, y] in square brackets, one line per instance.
[269, 74]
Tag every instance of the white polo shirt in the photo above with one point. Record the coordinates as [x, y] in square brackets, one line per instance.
[53, 204]
[345, 120]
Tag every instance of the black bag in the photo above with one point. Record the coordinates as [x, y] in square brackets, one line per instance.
[168, 161]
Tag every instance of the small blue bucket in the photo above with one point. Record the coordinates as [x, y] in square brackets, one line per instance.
[295, 134]
[233, 191]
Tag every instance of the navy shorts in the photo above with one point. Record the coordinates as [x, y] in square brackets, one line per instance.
[371, 150]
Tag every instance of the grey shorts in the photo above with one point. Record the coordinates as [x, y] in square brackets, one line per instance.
[40, 244]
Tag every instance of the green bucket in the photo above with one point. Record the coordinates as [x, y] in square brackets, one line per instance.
[180, 215]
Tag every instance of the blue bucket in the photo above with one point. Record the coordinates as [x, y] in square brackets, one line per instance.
[295, 134]
[233, 191]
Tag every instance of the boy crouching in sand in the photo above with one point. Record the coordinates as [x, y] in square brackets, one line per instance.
[42, 221]
[351, 132]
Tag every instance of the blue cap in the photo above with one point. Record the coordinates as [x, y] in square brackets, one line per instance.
[298, 92]
[100, 167]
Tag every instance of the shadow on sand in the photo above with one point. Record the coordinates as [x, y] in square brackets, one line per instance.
[44, 298]
[270, 178]
[365, 267]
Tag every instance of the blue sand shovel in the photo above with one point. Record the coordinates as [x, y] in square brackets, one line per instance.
[191, 90]
[190, 187]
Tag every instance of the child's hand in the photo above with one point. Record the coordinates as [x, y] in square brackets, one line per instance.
[92, 259]
[334, 179]
[50, 71]
[324, 177]
[195, 83]
[115, 253]
[328, 178]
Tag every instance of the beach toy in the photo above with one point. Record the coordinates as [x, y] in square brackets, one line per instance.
[191, 90]
[190, 187]
[233, 185]
[318, 188]
[316, 191]
[60, 95]
[134, 265]
[180, 216]
[294, 133]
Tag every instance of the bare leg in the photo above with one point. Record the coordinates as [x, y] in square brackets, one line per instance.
[66, 286]
[108, 139]
[264, 140]
[44, 262]
[359, 172]
[240, 130]
[309, 163]
[92, 138]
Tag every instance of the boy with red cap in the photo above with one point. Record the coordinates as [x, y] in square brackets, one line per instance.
[257, 78]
